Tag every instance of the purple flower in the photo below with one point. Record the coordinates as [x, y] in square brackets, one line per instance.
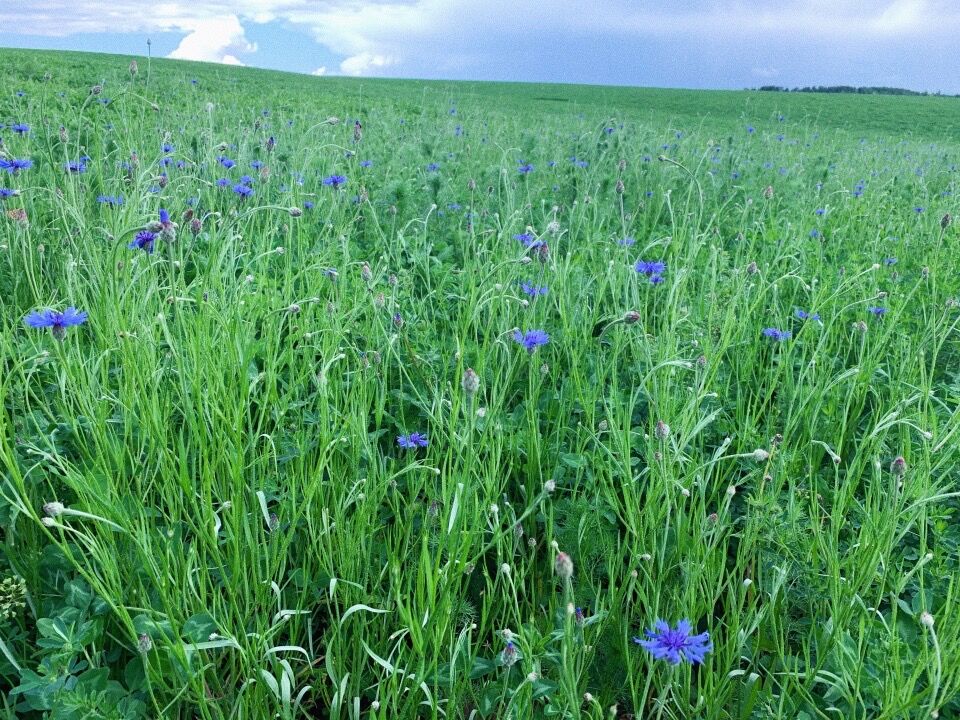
[226, 162]
[525, 169]
[433, 167]
[58, 322]
[366, 163]
[675, 644]
[110, 200]
[412, 441]
[878, 311]
[626, 242]
[804, 315]
[531, 339]
[143, 241]
[75, 167]
[223, 182]
[20, 128]
[526, 239]
[334, 180]
[256, 164]
[8, 192]
[532, 290]
[244, 191]
[653, 269]
[776, 334]
[15, 165]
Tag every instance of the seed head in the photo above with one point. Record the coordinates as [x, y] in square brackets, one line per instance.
[631, 317]
[661, 431]
[53, 509]
[471, 381]
[899, 466]
[144, 643]
[563, 566]
[945, 221]
[760, 455]
[926, 619]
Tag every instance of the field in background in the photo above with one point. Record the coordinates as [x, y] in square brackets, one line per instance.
[432, 417]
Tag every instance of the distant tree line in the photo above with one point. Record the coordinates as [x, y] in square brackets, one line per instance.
[850, 89]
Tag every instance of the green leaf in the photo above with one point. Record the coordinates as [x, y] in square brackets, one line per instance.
[199, 627]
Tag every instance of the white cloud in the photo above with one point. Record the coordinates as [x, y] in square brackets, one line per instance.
[320, 71]
[217, 40]
[365, 63]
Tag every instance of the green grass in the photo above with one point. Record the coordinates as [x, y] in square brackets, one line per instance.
[242, 537]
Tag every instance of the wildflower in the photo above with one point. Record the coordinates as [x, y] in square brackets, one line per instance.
[804, 315]
[563, 566]
[631, 316]
[15, 165]
[78, 166]
[889, 261]
[526, 239]
[412, 441]
[531, 339]
[433, 167]
[877, 310]
[626, 242]
[8, 192]
[776, 334]
[525, 169]
[532, 290]
[918, 209]
[20, 128]
[58, 322]
[334, 181]
[226, 162]
[760, 455]
[945, 221]
[661, 431]
[675, 644]
[143, 240]
[926, 619]
[509, 655]
[53, 509]
[898, 466]
[398, 321]
[110, 200]
[144, 643]
[650, 268]
[223, 182]
[366, 163]
[244, 191]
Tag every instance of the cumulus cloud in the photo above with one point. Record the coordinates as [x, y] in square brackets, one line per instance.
[320, 71]
[215, 40]
[576, 40]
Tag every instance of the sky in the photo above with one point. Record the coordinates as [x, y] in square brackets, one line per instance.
[724, 44]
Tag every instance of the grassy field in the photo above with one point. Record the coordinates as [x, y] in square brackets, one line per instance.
[441, 416]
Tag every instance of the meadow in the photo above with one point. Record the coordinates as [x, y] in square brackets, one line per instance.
[341, 398]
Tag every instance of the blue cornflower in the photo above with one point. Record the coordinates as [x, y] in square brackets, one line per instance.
[814, 233]
[226, 162]
[143, 241]
[8, 192]
[78, 166]
[20, 128]
[777, 334]
[243, 191]
[804, 315]
[110, 200]
[531, 339]
[526, 239]
[890, 261]
[650, 268]
[15, 165]
[525, 169]
[877, 310]
[334, 180]
[626, 242]
[308, 205]
[533, 290]
[412, 441]
[366, 163]
[246, 180]
[750, 129]
[223, 182]
[256, 164]
[675, 644]
[608, 131]
[819, 211]
[433, 167]
[918, 209]
[167, 148]
[58, 322]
